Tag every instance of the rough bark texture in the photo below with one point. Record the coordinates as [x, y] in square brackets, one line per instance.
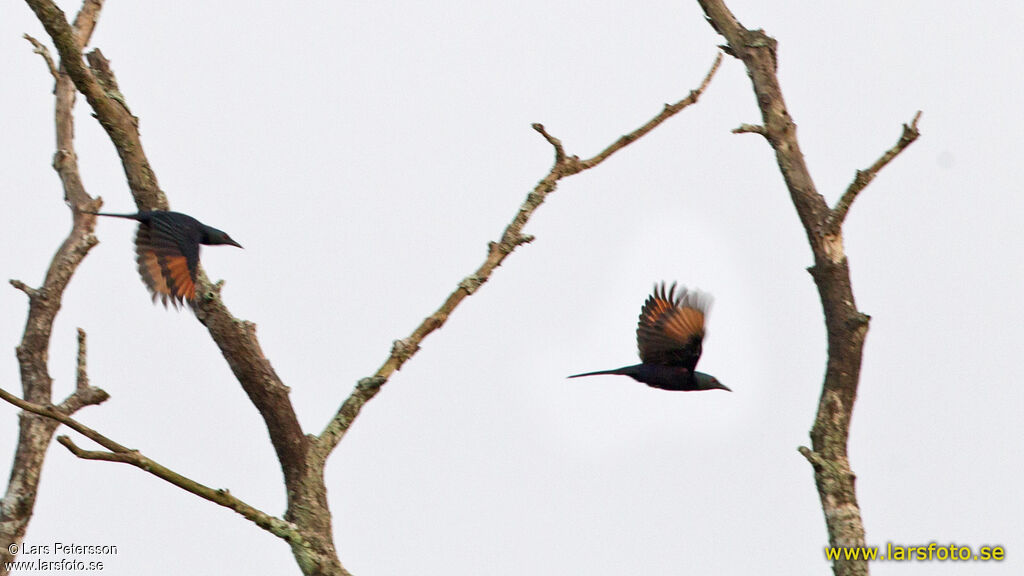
[306, 493]
[35, 432]
[307, 521]
[846, 326]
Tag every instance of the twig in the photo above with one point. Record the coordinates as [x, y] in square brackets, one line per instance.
[81, 372]
[811, 456]
[119, 453]
[34, 433]
[864, 177]
[41, 49]
[29, 291]
[555, 142]
[749, 129]
[84, 394]
[222, 497]
[306, 494]
[846, 327]
[83, 397]
[236, 339]
[113, 117]
[669, 111]
[511, 238]
[59, 415]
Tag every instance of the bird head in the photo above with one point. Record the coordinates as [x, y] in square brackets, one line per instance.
[708, 382]
[212, 236]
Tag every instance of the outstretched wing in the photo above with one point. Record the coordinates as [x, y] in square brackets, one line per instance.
[168, 256]
[671, 327]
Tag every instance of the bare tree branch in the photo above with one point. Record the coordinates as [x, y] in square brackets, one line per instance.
[749, 129]
[28, 290]
[236, 338]
[114, 118]
[757, 51]
[45, 53]
[302, 458]
[119, 453]
[511, 238]
[84, 394]
[81, 369]
[555, 143]
[669, 111]
[846, 325]
[35, 432]
[304, 481]
[55, 413]
[864, 177]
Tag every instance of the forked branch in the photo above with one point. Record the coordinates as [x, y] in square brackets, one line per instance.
[35, 433]
[497, 251]
[846, 326]
[116, 452]
[301, 456]
[864, 177]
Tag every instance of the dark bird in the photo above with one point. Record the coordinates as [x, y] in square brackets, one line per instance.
[669, 337]
[167, 250]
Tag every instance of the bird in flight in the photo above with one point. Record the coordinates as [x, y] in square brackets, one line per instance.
[167, 250]
[669, 337]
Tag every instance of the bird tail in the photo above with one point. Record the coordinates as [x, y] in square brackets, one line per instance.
[128, 216]
[624, 371]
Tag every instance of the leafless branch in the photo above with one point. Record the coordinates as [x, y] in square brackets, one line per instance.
[555, 143]
[511, 238]
[81, 372]
[43, 51]
[749, 129]
[124, 458]
[864, 177]
[846, 326]
[55, 413]
[84, 394]
[35, 433]
[669, 111]
[29, 291]
[119, 453]
[813, 457]
[113, 116]
[305, 491]
[236, 339]
[303, 470]
[83, 397]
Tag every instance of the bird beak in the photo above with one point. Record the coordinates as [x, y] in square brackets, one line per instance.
[724, 387]
[233, 243]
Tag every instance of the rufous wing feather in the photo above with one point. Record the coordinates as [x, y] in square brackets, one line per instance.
[671, 327]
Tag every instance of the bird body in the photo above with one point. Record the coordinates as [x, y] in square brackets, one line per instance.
[669, 338]
[167, 251]
[663, 377]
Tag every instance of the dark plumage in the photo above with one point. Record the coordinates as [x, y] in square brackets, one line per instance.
[167, 250]
[669, 337]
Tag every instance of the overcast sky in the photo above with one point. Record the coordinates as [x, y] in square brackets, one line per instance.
[364, 153]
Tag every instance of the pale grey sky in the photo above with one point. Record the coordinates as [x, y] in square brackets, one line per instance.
[364, 153]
